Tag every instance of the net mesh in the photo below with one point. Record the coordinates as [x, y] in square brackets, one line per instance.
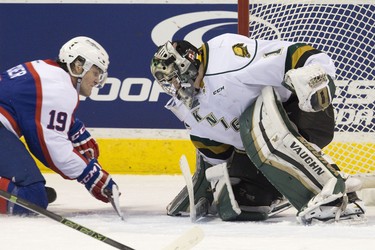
[345, 32]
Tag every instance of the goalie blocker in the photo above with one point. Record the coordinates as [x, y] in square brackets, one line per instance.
[292, 164]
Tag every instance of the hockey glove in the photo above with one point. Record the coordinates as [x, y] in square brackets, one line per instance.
[312, 85]
[97, 181]
[82, 140]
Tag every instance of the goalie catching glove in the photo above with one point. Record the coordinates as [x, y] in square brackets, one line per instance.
[82, 140]
[97, 181]
[312, 85]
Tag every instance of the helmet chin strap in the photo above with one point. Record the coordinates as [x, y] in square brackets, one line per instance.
[78, 87]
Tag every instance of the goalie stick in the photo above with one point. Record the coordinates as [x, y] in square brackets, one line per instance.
[187, 240]
[367, 180]
[199, 209]
[184, 242]
[185, 169]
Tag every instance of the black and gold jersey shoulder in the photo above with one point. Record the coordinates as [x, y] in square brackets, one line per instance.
[298, 54]
[203, 56]
[212, 149]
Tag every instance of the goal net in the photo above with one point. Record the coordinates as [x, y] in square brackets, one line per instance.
[345, 31]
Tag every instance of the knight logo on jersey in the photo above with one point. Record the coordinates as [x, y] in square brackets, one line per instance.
[240, 50]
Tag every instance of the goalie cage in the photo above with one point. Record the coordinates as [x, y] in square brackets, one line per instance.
[345, 31]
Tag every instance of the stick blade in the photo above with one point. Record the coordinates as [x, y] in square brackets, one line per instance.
[185, 169]
[187, 240]
[367, 180]
[115, 201]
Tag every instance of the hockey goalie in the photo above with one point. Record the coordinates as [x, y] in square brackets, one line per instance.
[259, 113]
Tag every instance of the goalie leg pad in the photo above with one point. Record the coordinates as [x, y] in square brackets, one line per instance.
[276, 148]
[202, 189]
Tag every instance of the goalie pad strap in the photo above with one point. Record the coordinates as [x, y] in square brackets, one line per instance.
[284, 157]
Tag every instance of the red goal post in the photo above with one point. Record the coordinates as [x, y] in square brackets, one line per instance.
[345, 30]
[243, 17]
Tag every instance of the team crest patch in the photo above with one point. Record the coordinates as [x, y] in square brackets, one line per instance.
[240, 49]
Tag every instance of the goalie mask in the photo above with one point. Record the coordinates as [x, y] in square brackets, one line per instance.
[175, 67]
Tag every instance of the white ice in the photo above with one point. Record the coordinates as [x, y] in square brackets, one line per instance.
[146, 225]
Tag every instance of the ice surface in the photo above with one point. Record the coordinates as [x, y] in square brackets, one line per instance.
[146, 226]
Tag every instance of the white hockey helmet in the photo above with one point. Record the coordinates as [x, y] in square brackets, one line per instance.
[89, 52]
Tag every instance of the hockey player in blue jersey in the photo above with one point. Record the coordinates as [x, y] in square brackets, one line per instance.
[38, 100]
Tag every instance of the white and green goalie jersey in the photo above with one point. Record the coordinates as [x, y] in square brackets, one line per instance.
[236, 70]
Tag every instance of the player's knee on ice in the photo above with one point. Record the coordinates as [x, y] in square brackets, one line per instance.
[34, 193]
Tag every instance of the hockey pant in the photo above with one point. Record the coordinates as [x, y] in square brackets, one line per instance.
[19, 174]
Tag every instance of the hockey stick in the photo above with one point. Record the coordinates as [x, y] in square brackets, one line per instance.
[39, 210]
[367, 180]
[199, 209]
[114, 199]
[184, 166]
[184, 242]
[187, 240]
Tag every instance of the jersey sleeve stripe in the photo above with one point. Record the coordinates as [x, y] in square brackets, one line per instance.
[38, 110]
[12, 122]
